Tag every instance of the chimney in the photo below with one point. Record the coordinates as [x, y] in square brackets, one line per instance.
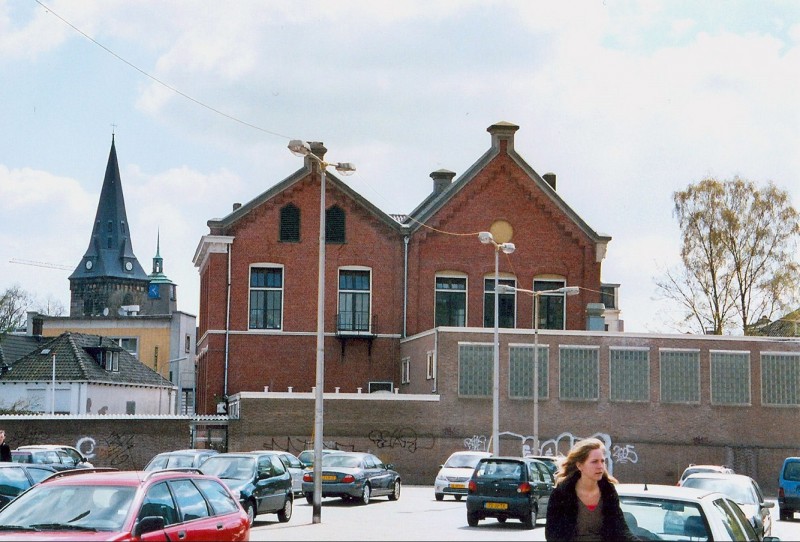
[595, 321]
[236, 206]
[503, 135]
[550, 178]
[441, 180]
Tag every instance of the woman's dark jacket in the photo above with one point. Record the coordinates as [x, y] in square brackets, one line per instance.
[562, 512]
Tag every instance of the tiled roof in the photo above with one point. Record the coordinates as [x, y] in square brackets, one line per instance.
[75, 363]
[788, 326]
[14, 347]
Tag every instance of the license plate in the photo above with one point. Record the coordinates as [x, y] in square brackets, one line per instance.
[328, 478]
[457, 486]
[496, 506]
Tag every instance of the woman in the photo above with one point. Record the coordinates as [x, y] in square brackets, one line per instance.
[584, 504]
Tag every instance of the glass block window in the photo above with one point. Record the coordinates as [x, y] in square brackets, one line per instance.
[451, 301]
[680, 376]
[780, 379]
[266, 297]
[629, 374]
[475, 369]
[507, 304]
[579, 373]
[521, 371]
[730, 378]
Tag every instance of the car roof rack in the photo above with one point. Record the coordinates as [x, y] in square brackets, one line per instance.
[193, 470]
[73, 472]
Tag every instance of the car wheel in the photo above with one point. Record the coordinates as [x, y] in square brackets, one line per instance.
[250, 510]
[458, 497]
[365, 494]
[395, 494]
[501, 520]
[529, 522]
[439, 496]
[310, 498]
[785, 514]
[472, 520]
[285, 513]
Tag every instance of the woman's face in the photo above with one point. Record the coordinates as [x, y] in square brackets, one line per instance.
[595, 465]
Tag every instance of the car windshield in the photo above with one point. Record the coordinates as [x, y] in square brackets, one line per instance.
[341, 460]
[230, 468]
[741, 492]
[505, 470]
[70, 507]
[463, 461]
[654, 518]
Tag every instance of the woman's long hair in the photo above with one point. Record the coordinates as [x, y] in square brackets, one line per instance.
[578, 454]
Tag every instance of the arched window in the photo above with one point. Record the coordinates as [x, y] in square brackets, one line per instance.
[290, 224]
[334, 225]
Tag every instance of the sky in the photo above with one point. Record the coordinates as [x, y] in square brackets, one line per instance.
[627, 102]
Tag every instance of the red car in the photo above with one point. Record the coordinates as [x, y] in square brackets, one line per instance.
[97, 504]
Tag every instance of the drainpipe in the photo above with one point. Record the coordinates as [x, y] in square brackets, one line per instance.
[405, 283]
[227, 329]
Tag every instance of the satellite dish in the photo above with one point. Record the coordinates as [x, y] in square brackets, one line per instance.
[105, 311]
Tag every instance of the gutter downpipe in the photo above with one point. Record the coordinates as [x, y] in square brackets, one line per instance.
[405, 285]
[227, 329]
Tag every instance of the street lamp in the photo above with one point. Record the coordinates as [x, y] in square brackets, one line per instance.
[566, 290]
[302, 148]
[487, 238]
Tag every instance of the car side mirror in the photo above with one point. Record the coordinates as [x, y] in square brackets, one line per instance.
[264, 473]
[148, 524]
[768, 504]
[390, 466]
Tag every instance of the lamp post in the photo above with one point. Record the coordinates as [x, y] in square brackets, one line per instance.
[302, 148]
[566, 290]
[487, 238]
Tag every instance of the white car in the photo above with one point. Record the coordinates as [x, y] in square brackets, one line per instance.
[661, 512]
[69, 456]
[455, 473]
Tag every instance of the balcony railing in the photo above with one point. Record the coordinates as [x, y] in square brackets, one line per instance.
[354, 324]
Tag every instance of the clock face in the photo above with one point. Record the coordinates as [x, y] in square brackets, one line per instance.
[89, 264]
[128, 266]
[152, 291]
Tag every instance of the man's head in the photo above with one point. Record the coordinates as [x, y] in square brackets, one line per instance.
[2, 436]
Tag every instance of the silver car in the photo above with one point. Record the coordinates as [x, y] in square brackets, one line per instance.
[454, 474]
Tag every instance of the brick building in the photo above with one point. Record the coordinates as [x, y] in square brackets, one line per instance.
[387, 276]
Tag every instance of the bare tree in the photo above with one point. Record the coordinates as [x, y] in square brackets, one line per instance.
[737, 254]
[14, 304]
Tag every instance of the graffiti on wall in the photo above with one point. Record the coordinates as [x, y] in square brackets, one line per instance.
[625, 454]
[86, 445]
[404, 438]
[114, 450]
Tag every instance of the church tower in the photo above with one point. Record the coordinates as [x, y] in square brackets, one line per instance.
[161, 293]
[109, 282]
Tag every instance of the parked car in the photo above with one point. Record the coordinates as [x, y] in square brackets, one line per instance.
[68, 455]
[259, 479]
[179, 458]
[743, 490]
[693, 469]
[53, 458]
[306, 457]
[293, 465]
[551, 461]
[354, 476]
[509, 487]
[17, 477]
[125, 505]
[662, 512]
[789, 488]
[454, 474]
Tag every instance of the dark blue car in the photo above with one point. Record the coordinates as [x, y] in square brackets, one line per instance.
[17, 477]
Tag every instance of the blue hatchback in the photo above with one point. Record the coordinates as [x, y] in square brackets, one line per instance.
[789, 488]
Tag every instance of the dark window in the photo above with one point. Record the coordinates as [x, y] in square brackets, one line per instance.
[266, 297]
[354, 291]
[451, 301]
[290, 224]
[506, 303]
[607, 297]
[551, 306]
[158, 502]
[334, 225]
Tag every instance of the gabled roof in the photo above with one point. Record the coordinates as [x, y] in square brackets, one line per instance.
[500, 131]
[13, 347]
[297, 176]
[787, 326]
[110, 247]
[75, 363]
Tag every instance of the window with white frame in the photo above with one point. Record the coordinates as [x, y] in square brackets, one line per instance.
[475, 363]
[521, 362]
[680, 376]
[380, 386]
[405, 371]
[552, 306]
[579, 368]
[266, 297]
[507, 304]
[130, 344]
[431, 365]
[354, 300]
[629, 374]
[451, 301]
[780, 379]
[730, 378]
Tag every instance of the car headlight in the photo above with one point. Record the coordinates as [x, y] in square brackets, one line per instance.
[441, 477]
